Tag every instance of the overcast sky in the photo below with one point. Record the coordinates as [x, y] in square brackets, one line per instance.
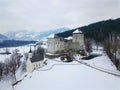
[42, 15]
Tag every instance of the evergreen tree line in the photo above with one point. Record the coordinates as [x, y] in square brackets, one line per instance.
[14, 43]
[99, 31]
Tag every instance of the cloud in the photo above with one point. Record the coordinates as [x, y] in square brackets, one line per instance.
[49, 14]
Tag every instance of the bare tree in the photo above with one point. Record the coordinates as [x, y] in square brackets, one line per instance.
[16, 51]
[6, 68]
[25, 56]
[13, 63]
[88, 45]
[40, 50]
[24, 62]
[112, 47]
[16, 55]
[1, 69]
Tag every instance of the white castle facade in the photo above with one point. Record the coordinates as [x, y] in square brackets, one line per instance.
[57, 44]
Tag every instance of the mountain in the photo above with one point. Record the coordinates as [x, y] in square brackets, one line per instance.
[45, 34]
[20, 35]
[32, 35]
[2, 37]
[98, 31]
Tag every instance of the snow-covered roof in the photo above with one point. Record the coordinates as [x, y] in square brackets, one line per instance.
[77, 31]
[69, 38]
[51, 36]
[37, 58]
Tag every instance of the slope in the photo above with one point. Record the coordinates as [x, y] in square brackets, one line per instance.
[98, 31]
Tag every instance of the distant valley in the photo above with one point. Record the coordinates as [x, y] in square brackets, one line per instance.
[23, 37]
[32, 35]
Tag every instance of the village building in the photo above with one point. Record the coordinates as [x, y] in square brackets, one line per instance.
[34, 61]
[58, 44]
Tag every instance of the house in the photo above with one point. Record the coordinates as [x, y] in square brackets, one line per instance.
[57, 44]
[34, 61]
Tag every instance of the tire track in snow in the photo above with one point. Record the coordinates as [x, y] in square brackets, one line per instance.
[56, 65]
[100, 69]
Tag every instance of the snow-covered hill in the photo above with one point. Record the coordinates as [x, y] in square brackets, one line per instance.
[58, 75]
[32, 35]
[70, 76]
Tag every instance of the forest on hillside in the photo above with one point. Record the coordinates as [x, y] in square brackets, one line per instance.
[14, 43]
[105, 33]
[98, 31]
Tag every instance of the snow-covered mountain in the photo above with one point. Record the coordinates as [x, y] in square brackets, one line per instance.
[45, 34]
[20, 35]
[2, 37]
[32, 35]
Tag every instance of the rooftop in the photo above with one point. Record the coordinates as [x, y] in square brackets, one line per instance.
[37, 58]
[30, 50]
[77, 31]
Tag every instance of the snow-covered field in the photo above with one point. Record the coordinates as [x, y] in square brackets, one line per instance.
[72, 76]
[22, 50]
[57, 75]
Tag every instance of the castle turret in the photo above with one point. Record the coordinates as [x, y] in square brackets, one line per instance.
[30, 54]
[78, 39]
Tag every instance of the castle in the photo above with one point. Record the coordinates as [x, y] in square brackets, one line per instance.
[57, 44]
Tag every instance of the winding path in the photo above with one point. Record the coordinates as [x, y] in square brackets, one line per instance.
[54, 66]
[86, 64]
[98, 68]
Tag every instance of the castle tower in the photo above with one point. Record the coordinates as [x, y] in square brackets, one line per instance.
[28, 63]
[30, 53]
[52, 43]
[78, 39]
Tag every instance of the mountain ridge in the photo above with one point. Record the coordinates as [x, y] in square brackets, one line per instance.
[3, 37]
[31, 35]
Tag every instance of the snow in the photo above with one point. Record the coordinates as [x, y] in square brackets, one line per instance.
[19, 35]
[57, 75]
[22, 50]
[69, 77]
[69, 38]
[51, 36]
[77, 31]
[5, 85]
